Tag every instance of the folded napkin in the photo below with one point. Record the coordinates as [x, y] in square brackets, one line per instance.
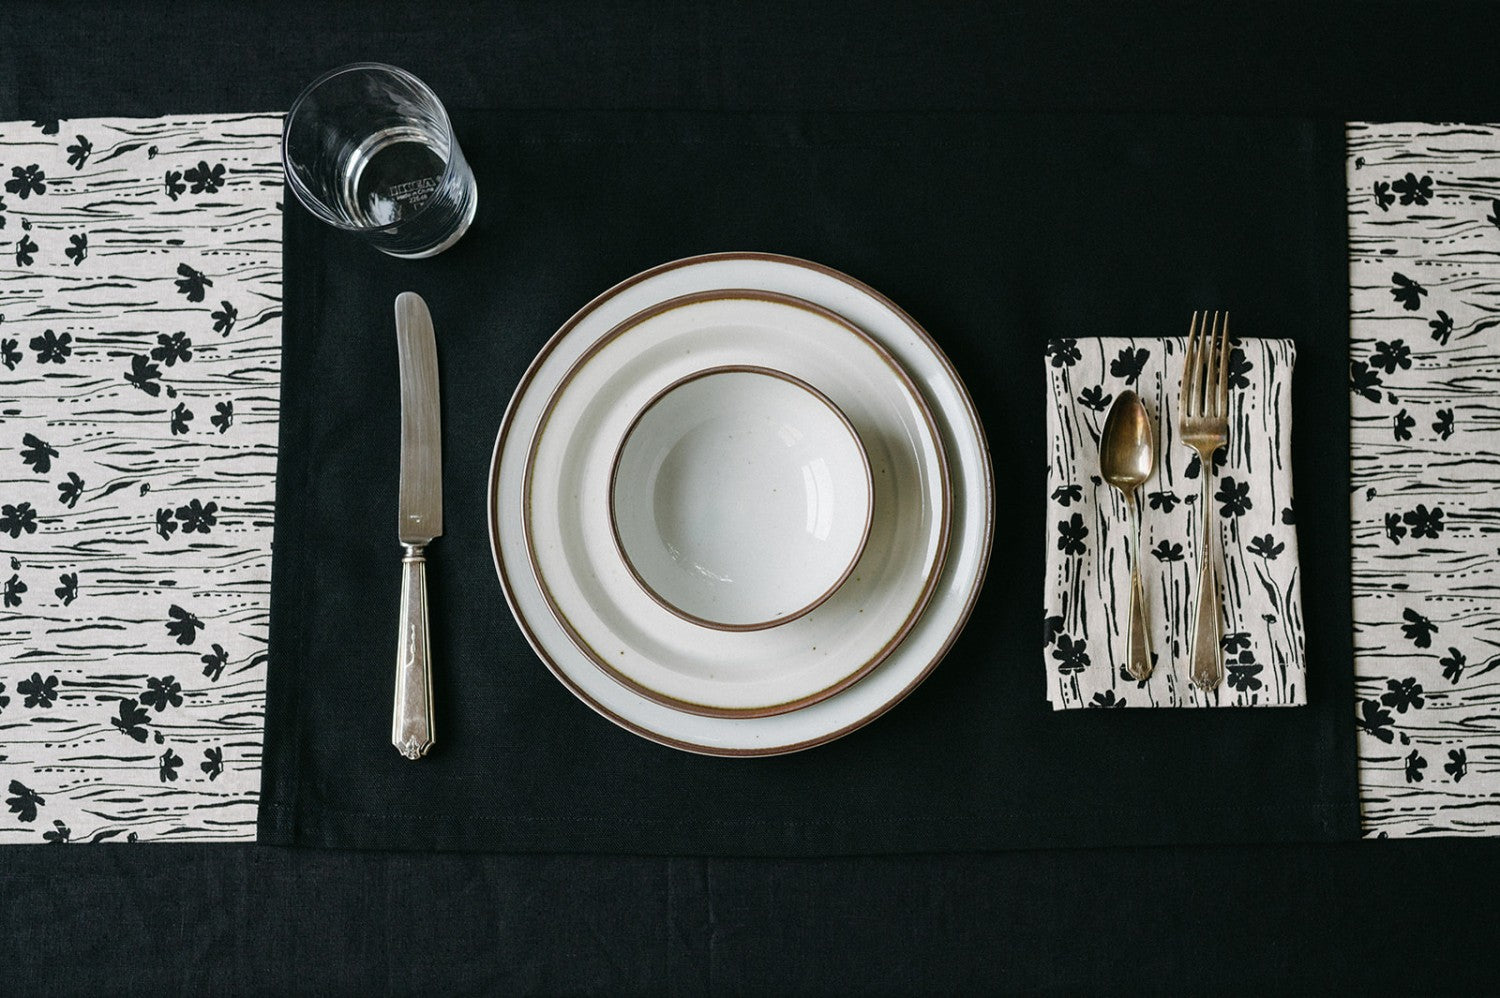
[1088, 532]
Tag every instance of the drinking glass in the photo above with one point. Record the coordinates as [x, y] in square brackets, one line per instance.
[368, 148]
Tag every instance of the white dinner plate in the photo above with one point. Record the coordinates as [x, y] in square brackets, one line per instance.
[588, 585]
[970, 531]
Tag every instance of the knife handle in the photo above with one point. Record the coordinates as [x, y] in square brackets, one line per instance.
[411, 727]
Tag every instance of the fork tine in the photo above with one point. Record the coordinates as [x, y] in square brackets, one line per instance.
[1224, 371]
[1210, 369]
[1189, 363]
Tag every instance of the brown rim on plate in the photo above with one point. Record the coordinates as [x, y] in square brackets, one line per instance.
[506, 424]
[864, 460]
[913, 615]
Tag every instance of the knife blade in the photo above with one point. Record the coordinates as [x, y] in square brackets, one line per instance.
[420, 512]
[421, 503]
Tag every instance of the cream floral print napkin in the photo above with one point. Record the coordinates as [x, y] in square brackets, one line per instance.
[1088, 575]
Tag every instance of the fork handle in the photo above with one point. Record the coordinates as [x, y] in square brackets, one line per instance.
[1207, 672]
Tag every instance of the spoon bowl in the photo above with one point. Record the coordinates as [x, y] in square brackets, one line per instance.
[1127, 446]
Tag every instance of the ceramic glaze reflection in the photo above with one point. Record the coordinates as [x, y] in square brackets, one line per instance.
[742, 498]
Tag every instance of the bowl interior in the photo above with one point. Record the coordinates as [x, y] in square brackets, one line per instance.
[741, 498]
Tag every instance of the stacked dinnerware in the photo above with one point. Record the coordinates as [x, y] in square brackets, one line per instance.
[741, 504]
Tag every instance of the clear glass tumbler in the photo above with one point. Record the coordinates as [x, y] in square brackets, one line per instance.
[368, 148]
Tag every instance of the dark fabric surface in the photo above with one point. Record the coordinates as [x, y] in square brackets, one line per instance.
[1374, 60]
[1363, 917]
[1402, 918]
[996, 231]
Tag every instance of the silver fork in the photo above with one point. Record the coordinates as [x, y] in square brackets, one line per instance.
[1203, 424]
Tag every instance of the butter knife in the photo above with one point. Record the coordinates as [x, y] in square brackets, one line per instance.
[421, 520]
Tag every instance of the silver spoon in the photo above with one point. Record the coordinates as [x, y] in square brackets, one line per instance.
[1127, 458]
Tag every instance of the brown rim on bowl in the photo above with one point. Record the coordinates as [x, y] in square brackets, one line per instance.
[859, 550]
[924, 597]
[507, 423]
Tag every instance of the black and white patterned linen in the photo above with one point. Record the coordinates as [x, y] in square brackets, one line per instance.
[1424, 279]
[140, 331]
[1088, 577]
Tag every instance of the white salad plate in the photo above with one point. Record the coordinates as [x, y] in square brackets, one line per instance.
[741, 498]
[971, 514]
[659, 652]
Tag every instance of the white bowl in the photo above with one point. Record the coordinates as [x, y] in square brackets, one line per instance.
[741, 498]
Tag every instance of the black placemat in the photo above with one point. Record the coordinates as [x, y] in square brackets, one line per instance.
[996, 232]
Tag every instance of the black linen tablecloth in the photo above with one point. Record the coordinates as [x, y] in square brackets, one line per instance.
[997, 232]
[1404, 917]
[1313, 919]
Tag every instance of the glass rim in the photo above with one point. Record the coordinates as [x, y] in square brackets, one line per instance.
[315, 204]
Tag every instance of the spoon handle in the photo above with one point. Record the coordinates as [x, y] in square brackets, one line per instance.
[1139, 663]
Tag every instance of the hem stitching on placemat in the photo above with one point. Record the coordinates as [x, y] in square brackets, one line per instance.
[740, 823]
